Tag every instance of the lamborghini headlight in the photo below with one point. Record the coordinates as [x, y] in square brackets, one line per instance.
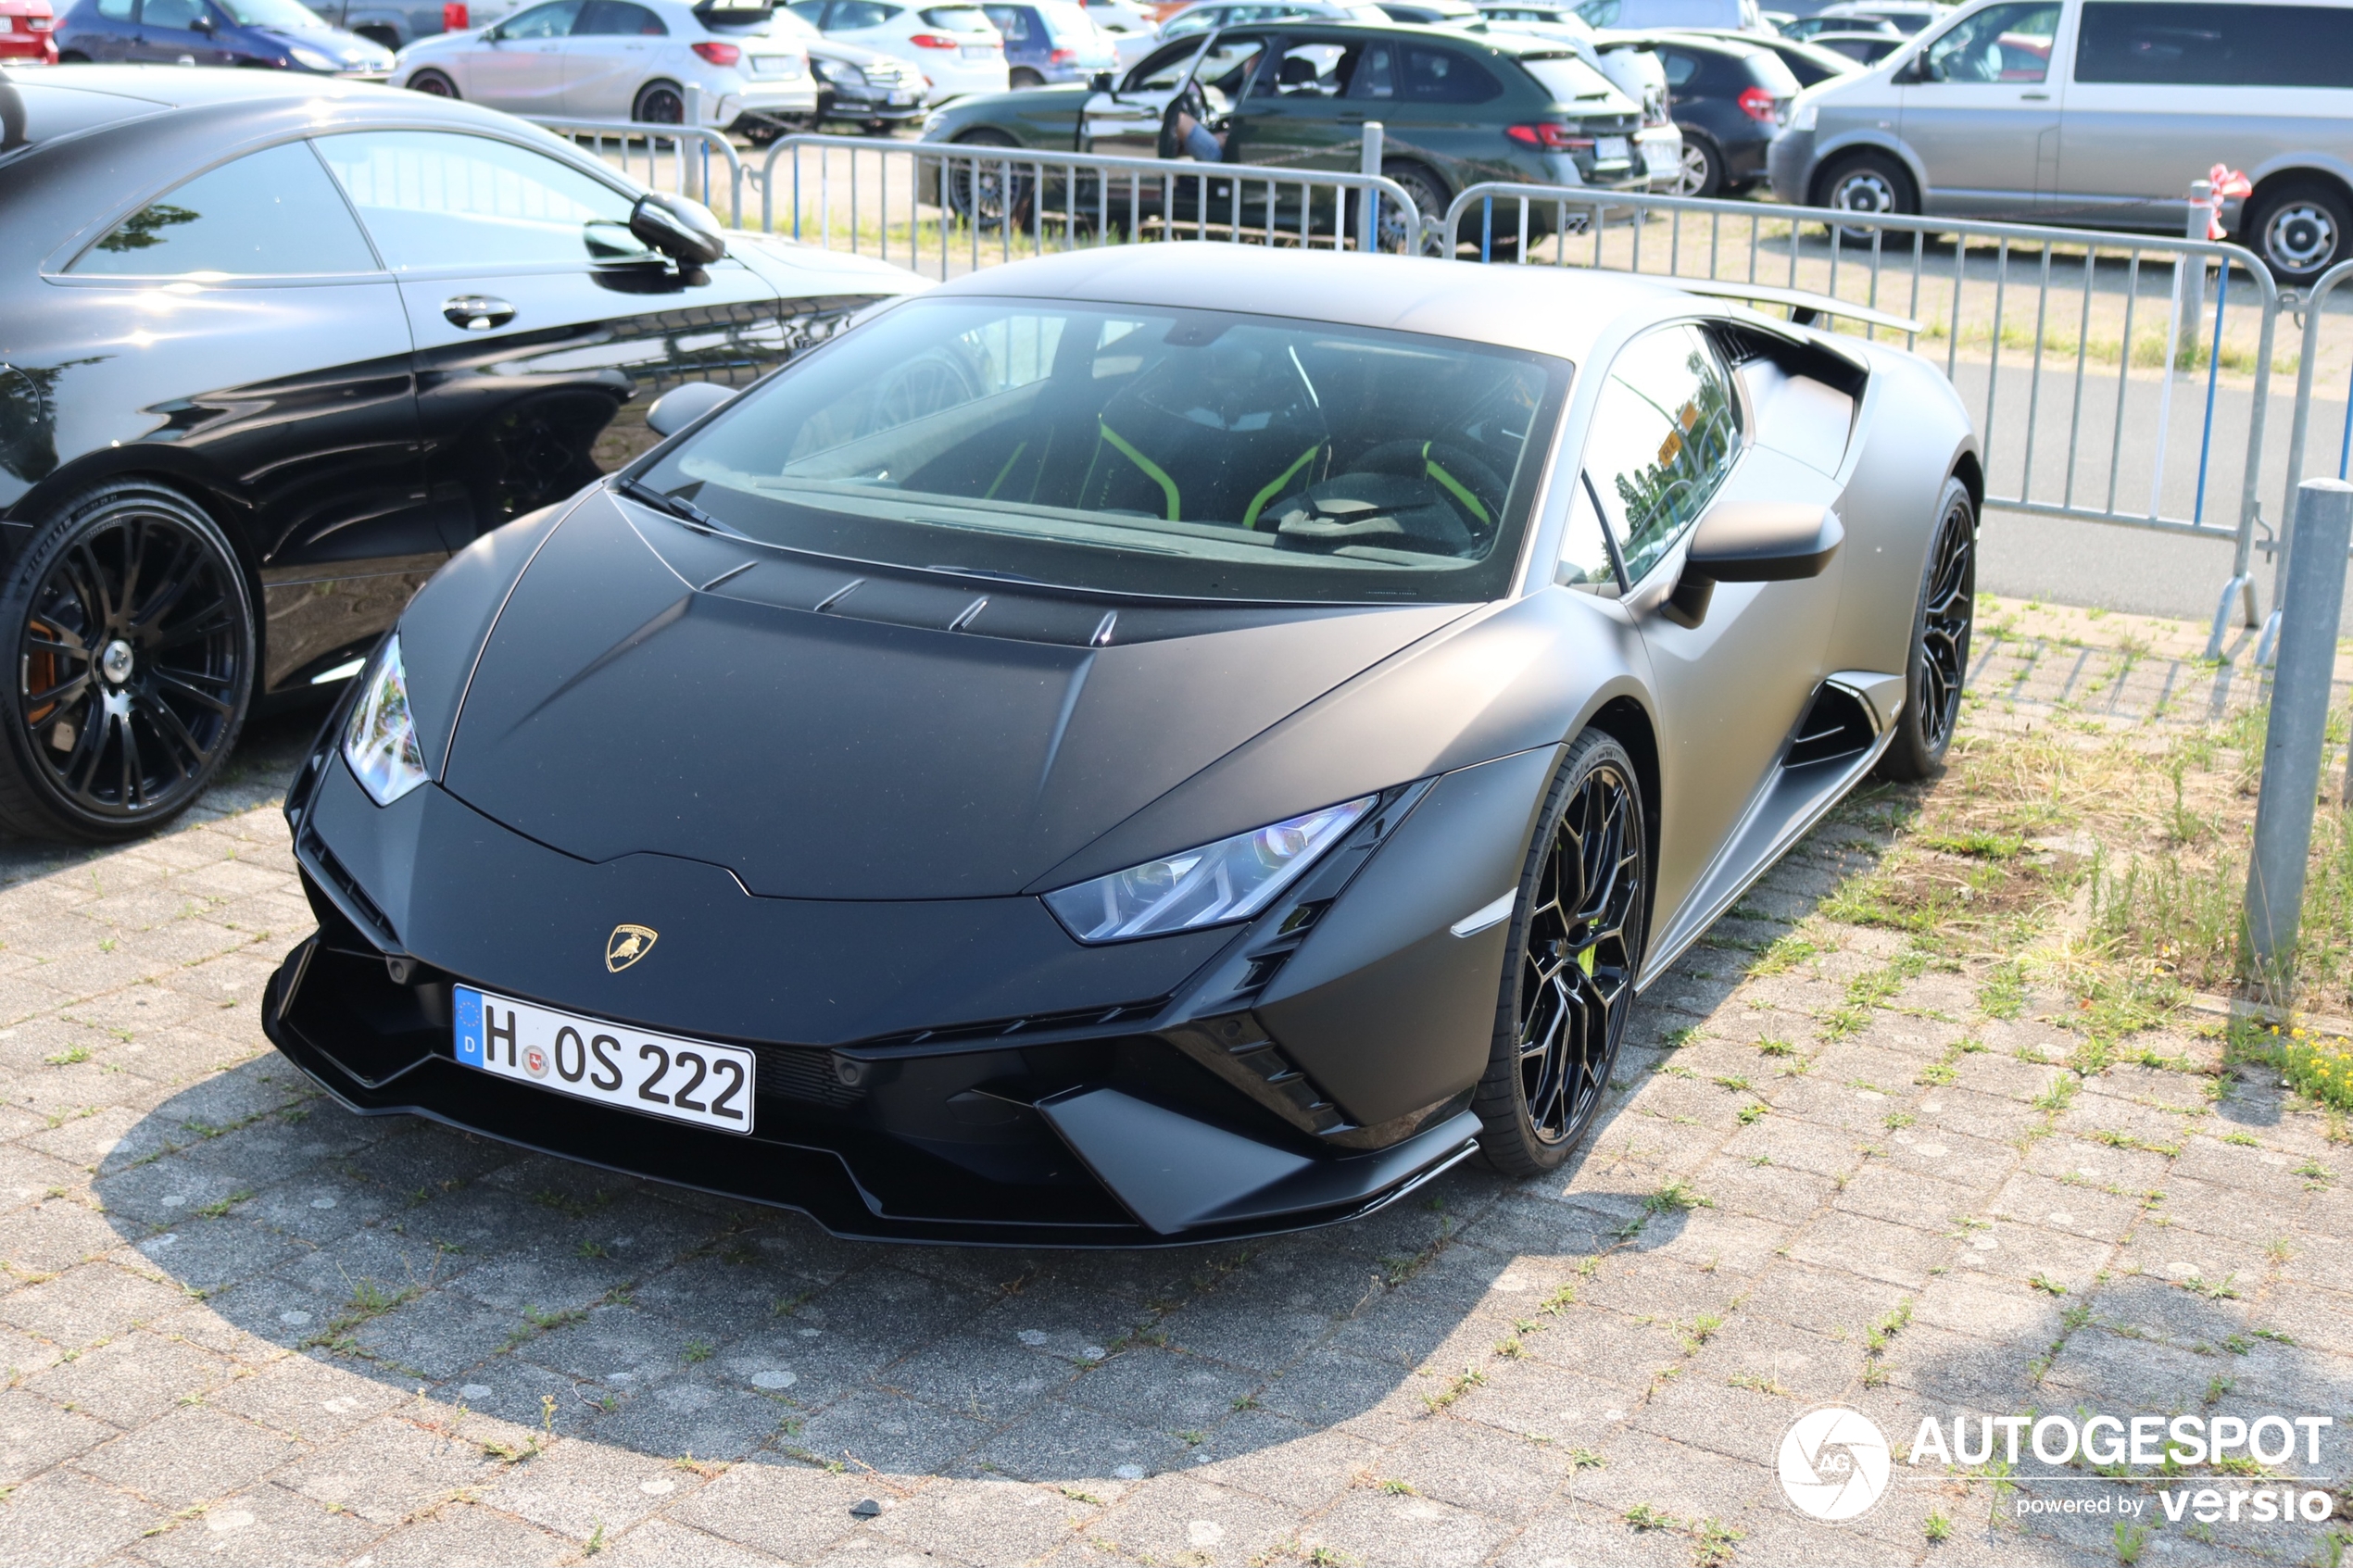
[380, 741]
[1232, 879]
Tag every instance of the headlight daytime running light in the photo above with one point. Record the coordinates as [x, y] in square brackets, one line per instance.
[1230, 880]
[380, 743]
[312, 58]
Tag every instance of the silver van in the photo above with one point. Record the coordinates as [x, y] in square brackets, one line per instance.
[2098, 114]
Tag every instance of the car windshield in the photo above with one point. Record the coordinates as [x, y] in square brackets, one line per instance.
[287, 13]
[1141, 450]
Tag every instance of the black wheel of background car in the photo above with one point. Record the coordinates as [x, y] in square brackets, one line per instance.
[1867, 182]
[659, 103]
[984, 192]
[433, 83]
[72, 57]
[1702, 171]
[134, 631]
[1022, 78]
[1569, 965]
[1938, 660]
[2299, 229]
[1429, 200]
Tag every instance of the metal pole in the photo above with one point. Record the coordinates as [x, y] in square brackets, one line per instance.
[1369, 210]
[2323, 530]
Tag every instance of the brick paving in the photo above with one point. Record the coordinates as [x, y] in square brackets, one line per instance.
[241, 1326]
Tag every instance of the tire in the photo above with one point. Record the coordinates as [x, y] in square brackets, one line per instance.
[658, 103]
[1430, 201]
[1867, 182]
[132, 626]
[1937, 661]
[1537, 1101]
[1702, 171]
[1022, 79]
[984, 196]
[2300, 229]
[433, 84]
[73, 57]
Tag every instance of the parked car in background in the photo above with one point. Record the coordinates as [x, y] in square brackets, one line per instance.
[2099, 113]
[1433, 13]
[868, 89]
[1208, 16]
[1625, 60]
[1133, 29]
[276, 34]
[1741, 16]
[1801, 28]
[28, 32]
[1806, 62]
[1863, 48]
[624, 59]
[956, 46]
[1730, 97]
[344, 373]
[1050, 40]
[395, 24]
[1906, 16]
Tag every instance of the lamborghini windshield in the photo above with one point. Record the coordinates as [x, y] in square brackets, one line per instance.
[1141, 450]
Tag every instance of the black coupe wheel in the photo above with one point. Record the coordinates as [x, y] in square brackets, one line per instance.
[1938, 662]
[1569, 966]
[134, 631]
[659, 103]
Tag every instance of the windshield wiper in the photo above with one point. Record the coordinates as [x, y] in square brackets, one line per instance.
[675, 506]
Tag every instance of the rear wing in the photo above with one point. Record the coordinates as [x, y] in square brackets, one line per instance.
[1803, 307]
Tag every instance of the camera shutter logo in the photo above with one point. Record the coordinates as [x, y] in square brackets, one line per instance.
[1834, 1463]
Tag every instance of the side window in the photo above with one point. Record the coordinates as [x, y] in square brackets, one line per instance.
[1998, 44]
[1306, 70]
[540, 22]
[2219, 45]
[810, 11]
[617, 19]
[1164, 69]
[115, 10]
[1421, 75]
[850, 16]
[1681, 68]
[1599, 13]
[1376, 74]
[1012, 20]
[1666, 432]
[1192, 22]
[1586, 560]
[1227, 67]
[436, 199]
[180, 15]
[269, 214]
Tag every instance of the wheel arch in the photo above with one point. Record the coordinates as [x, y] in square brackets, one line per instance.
[1830, 157]
[1972, 473]
[1627, 721]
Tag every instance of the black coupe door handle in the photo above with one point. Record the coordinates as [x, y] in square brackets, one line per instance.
[477, 312]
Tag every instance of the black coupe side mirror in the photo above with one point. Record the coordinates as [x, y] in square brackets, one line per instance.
[685, 231]
[681, 405]
[1752, 541]
[1099, 82]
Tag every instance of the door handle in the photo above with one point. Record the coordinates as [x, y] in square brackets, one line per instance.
[2036, 98]
[477, 312]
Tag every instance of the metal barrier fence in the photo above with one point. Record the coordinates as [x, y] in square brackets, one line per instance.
[2312, 307]
[643, 152]
[2034, 307]
[945, 207]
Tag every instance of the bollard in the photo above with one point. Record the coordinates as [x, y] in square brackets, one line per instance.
[1369, 210]
[2322, 532]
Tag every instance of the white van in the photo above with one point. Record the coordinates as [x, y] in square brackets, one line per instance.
[2098, 114]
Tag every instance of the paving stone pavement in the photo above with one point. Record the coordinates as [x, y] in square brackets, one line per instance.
[242, 1326]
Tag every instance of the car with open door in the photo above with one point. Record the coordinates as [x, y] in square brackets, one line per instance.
[1237, 730]
[276, 348]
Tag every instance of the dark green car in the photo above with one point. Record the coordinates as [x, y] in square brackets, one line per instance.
[1457, 110]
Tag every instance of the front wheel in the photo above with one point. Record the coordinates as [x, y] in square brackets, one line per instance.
[1869, 184]
[135, 636]
[1574, 948]
[433, 84]
[1937, 662]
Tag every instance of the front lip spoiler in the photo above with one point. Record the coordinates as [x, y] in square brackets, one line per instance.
[813, 1179]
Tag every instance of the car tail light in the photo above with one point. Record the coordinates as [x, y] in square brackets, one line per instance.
[1757, 104]
[934, 41]
[1062, 58]
[1553, 138]
[719, 54]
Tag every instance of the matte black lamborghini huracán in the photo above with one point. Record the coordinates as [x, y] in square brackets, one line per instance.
[1076, 761]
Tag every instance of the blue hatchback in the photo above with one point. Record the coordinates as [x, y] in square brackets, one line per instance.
[1050, 41]
[281, 33]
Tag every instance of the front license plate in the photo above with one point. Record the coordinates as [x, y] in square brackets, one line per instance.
[654, 1075]
[1609, 148]
[900, 100]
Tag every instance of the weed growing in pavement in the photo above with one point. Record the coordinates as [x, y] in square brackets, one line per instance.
[1937, 1527]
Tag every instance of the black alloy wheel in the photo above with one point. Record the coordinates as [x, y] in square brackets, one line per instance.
[1575, 946]
[433, 84]
[1937, 664]
[983, 188]
[1413, 234]
[134, 629]
[659, 103]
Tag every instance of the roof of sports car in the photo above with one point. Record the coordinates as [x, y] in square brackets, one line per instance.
[1550, 309]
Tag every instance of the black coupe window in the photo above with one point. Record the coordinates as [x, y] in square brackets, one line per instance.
[268, 214]
[1145, 450]
[1667, 431]
[436, 199]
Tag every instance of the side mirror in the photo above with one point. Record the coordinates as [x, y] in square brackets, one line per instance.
[685, 231]
[1099, 82]
[1752, 541]
[681, 405]
[492, 35]
[1911, 73]
[202, 24]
